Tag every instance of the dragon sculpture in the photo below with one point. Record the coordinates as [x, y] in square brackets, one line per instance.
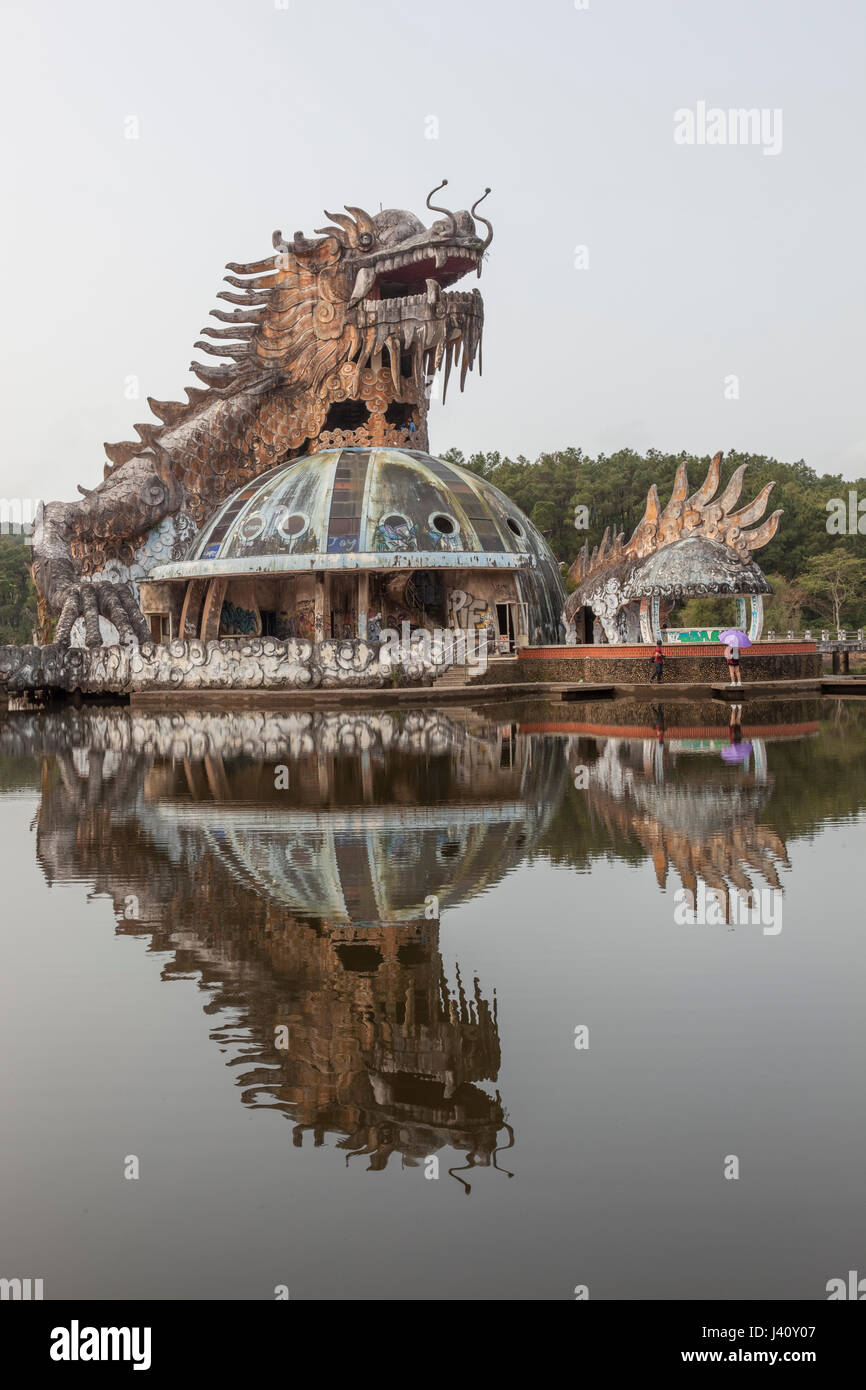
[697, 545]
[331, 341]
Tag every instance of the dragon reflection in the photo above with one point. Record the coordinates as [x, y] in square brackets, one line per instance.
[297, 866]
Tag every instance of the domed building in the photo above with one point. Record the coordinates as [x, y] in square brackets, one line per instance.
[341, 543]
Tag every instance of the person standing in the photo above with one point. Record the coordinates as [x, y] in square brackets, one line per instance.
[658, 660]
[732, 657]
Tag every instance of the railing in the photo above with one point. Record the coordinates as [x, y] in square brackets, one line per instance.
[844, 640]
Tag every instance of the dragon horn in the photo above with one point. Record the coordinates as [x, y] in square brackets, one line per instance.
[433, 208]
[348, 225]
[707, 489]
[363, 220]
[487, 224]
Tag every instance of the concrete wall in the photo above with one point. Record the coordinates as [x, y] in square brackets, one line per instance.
[765, 662]
[250, 663]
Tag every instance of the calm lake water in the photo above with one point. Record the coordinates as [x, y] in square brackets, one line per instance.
[403, 1005]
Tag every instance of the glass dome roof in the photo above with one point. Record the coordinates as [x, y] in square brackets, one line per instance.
[364, 508]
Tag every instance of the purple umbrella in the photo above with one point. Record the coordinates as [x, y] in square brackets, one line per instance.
[733, 637]
[737, 752]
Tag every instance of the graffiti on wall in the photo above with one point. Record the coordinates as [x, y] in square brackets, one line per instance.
[467, 612]
[242, 621]
[305, 618]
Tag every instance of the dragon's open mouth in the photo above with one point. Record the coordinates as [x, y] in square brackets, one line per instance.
[402, 277]
[402, 308]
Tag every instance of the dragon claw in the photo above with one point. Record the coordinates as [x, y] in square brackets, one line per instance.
[91, 601]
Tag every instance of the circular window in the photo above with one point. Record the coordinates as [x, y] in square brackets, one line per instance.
[445, 525]
[513, 526]
[292, 524]
[395, 521]
[251, 527]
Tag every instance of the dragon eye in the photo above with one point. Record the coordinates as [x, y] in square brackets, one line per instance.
[365, 239]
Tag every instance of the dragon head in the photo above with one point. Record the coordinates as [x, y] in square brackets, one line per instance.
[367, 293]
[331, 340]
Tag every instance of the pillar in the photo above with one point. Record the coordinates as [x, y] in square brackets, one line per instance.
[320, 607]
[213, 605]
[756, 623]
[363, 602]
[650, 622]
[190, 613]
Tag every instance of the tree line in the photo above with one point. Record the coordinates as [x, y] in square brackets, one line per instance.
[17, 592]
[816, 566]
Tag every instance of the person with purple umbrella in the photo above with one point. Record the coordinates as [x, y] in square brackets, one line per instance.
[732, 657]
[734, 639]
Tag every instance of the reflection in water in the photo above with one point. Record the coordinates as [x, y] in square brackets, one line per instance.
[689, 816]
[297, 865]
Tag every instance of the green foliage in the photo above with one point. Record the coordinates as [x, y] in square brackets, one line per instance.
[705, 612]
[834, 583]
[614, 489]
[17, 592]
[783, 610]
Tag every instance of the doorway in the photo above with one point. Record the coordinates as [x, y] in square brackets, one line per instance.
[344, 605]
[505, 623]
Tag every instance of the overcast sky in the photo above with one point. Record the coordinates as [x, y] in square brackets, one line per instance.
[705, 262]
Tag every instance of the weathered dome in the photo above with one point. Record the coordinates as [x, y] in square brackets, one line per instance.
[413, 518]
[696, 566]
[358, 506]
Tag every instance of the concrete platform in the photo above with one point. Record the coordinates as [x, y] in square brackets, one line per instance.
[479, 694]
[434, 695]
[473, 695]
[850, 686]
[715, 690]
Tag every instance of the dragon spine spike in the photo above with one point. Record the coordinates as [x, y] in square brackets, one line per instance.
[763, 534]
[147, 433]
[122, 452]
[731, 495]
[265, 267]
[251, 297]
[709, 486]
[237, 331]
[236, 316]
[754, 511]
[262, 282]
[169, 412]
[679, 493]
